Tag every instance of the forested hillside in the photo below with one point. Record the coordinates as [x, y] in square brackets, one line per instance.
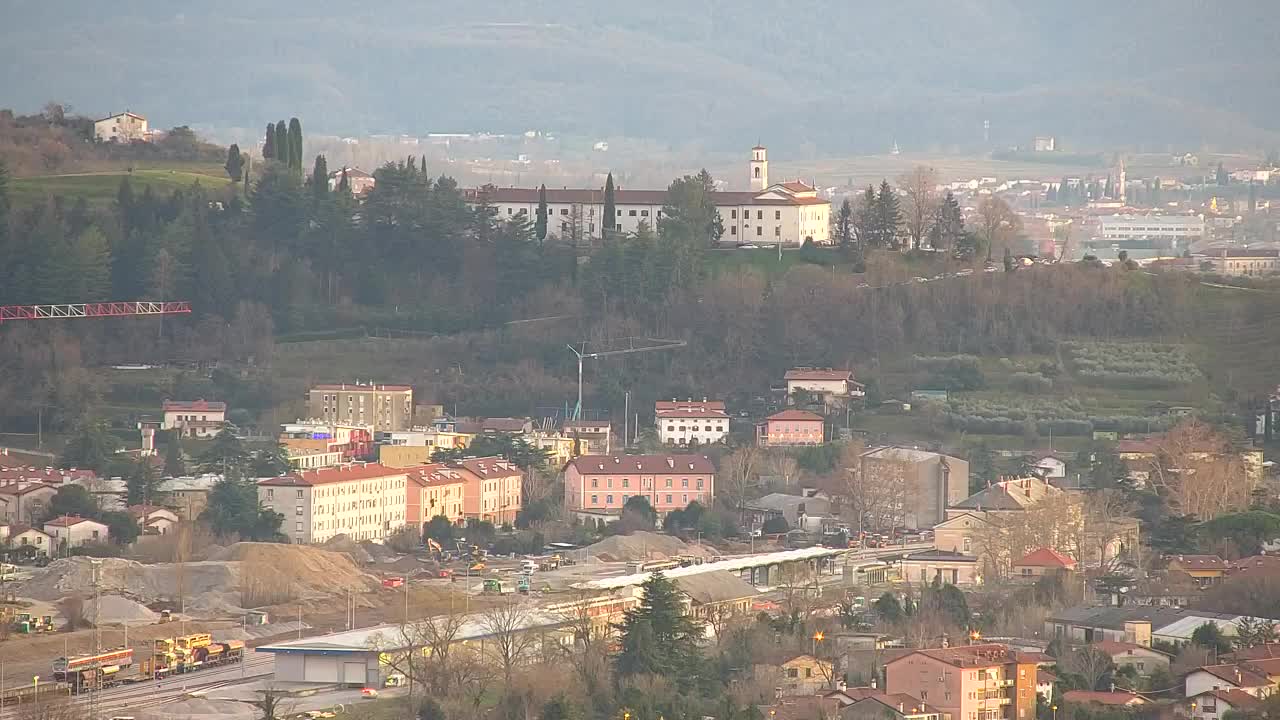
[840, 76]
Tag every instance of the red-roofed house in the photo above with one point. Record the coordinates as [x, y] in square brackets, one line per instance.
[791, 427]
[881, 706]
[1042, 562]
[194, 418]
[1214, 704]
[1119, 698]
[1206, 569]
[364, 501]
[691, 422]
[1227, 677]
[21, 536]
[1141, 658]
[73, 531]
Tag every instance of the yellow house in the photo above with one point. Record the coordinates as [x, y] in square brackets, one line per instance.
[1205, 569]
[121, 127]
[805, 675]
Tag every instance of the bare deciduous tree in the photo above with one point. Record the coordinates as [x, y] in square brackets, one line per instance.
[1198, 473]
[510, 642]
[1088, 662]
[919, 185]
[739, 472]
[589, 651]
[999, 223]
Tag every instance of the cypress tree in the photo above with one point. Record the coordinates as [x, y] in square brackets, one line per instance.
[424, 165]
[540, 221]
[295, 144]
[4, 204]
[320, 178]
[89, 270]
[844, 226]
[610, 208]
[269, 144]
[283, 147]
[344, 185]
[174, 465]
[235, 163]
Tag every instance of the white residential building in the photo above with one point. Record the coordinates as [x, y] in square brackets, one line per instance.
[691, 422]
[788, 213]
[1151, 227]
[364, 501]
[121, 127]
[73, 531]
[194, 418]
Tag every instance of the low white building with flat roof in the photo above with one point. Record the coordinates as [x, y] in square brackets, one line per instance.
[1181, 228]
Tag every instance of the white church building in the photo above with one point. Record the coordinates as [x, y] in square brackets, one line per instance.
[787, 213]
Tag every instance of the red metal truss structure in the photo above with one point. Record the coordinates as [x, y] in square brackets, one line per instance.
[89, 310]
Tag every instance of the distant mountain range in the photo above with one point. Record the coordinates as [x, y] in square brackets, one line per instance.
[842, 76]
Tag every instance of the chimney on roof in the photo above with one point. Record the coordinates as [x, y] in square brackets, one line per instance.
[671, 463]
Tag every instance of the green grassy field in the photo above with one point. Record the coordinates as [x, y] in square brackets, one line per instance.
[100, 188]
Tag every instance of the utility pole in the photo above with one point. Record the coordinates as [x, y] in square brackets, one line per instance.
[96, 574]
[620, 346]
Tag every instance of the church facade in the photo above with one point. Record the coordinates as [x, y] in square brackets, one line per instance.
[788, 213]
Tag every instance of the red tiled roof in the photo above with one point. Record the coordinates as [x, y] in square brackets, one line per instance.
[437, 475]
[22, 487]
[352, 387]
[1044, 677]
[1115, 647]
[1265, 651]
[43, 474]
[1257, 566]
[1101, 698]
[795, 416]
[1046, 557]
[646, 464]
[194, 406]
[1136, 446]
[67, 521]
[817, 374]
[967, 656]
[145, 510]
[504, 424]
[488, 467]
[1236, 698]
[903, 704]
[338, 474]
[1237, 675]
[1198, 562]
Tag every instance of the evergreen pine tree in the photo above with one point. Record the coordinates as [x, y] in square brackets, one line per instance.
[423, 160]
[283, 147]
[269, 144]
[344, 185]
[175, 464]
[295, 144]
[1223, 179]
[235, 163]
[658, 638]
[888, 215]
[865, 225]
[540, 221]
[4, 208]
[90, 267]
[844, 226]
[54, 262]
[950, 223]
[320, 178]
[610, 208]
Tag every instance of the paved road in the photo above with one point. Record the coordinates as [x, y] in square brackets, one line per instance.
[114, 701]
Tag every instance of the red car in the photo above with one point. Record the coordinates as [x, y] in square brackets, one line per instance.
[393, 582]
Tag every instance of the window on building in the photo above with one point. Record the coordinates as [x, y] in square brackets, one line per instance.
[777, 214]
[684, 483]
[700, 481]
[668, 482]
[271, 494]
[608, 499]
[595, 499]
[299, 494]
[777, 231]
[595, 483]
[631, 213]
[759, 214]
[968, 545]
[733, 229]
[644, 213]
[297, 510]
[564, 211]
[733, 214]
[668, 499]
[626, 483]
[759, 231]
[619, 213]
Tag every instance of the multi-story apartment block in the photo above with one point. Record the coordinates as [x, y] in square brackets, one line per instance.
[594, 437]
[788, 213]
[691, 422]
[384, 407]
[926, 483]
[973, 682]
[493, 491]
[603, 483]
[364, 501]
[1177, 228]
[434, 490]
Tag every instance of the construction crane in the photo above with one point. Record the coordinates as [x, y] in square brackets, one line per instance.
[619, 346]
[93, 310]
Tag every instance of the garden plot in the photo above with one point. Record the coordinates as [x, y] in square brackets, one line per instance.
[1132, 365]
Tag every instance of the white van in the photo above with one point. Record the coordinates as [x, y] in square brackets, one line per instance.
[528, 566]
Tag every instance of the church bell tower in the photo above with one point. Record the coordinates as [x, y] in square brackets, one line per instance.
[759, 169]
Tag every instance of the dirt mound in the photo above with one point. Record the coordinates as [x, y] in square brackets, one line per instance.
[642, 546]
[343, 544]
[309, 571]
[199, 708]
[117, 609]
[149, 583]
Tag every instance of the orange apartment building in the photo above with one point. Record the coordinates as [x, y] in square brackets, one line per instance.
[493, 491]
[436, 489]
[973, 682]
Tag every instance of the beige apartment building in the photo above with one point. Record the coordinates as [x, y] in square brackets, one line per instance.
[364, 501]
[436, 490]
[924, 484]
[384, 407]
[494, 491]
[972, 682]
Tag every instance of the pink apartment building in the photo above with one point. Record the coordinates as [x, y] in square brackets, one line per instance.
[970, 682]
[603, 483]
[791, 427]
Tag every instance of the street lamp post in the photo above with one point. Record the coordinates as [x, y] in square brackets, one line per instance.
[817, 638]
[1055, 711]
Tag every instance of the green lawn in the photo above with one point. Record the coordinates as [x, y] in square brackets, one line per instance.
[101, 187]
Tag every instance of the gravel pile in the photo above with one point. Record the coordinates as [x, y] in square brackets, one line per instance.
[642, 546]
[117, 610]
